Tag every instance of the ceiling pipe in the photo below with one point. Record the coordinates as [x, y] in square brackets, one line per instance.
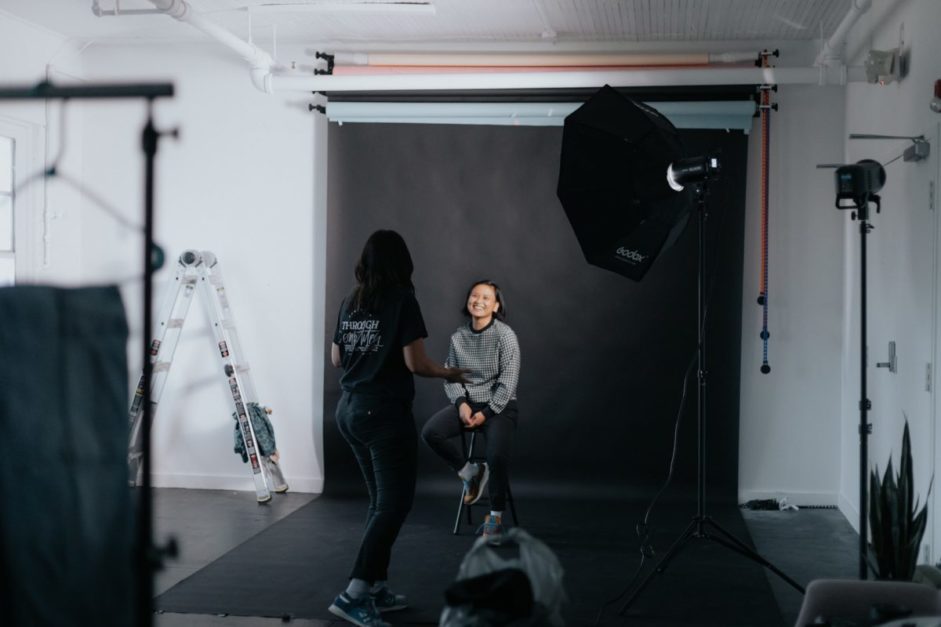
[262, 64]
[268, 76]
[117, 11]
[832, 51]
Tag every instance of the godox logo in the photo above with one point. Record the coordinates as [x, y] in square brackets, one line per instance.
[631, 255]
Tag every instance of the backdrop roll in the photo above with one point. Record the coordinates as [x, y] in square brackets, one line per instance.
[603, 357]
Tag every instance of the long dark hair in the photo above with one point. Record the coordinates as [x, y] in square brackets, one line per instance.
[500, 313]
[385, 264]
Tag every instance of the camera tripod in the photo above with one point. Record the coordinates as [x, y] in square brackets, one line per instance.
[702, 526]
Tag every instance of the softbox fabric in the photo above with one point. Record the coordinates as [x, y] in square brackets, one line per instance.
[612, 181]
[66, 537]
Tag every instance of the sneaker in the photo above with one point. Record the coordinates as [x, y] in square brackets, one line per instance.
[474, 487]
[492, 529]
[361, 611]
[274, 473]
[387, 601]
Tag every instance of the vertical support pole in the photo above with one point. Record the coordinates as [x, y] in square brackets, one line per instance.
[145, 547]
[864, 404]
[701, 356]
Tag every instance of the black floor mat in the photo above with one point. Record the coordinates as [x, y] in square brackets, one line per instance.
[297, 566]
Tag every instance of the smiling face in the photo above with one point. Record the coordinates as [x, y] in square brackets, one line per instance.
[482, 304]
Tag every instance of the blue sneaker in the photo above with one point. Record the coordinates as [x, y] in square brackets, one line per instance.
[361, 611]
[387, 601]
[474, 487]
[492, 529]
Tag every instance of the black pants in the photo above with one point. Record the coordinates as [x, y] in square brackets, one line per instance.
[382, 434]
[442, 433]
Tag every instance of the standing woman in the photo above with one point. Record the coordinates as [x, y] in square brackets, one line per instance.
[379, 345]
[486, 346]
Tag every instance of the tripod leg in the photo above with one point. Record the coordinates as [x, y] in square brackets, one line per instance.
[728, 534]
[729, 541]
[662, 564]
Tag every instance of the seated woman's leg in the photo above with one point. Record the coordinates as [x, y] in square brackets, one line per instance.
[500, 431]
[441, 433]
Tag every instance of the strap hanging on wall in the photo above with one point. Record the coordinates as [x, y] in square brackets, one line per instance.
[764, 111]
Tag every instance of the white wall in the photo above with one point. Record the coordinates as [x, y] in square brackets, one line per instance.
[45, 209]
[902, 251]
[789, 424]
[239, 182]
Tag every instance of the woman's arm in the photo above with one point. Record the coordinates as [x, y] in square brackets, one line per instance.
[418, 362]
[505, 387]
[335, 355]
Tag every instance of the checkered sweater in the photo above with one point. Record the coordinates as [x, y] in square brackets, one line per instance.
[493, 357]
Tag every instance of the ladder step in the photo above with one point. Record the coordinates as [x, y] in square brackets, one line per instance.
[161, 366]
[175, 323]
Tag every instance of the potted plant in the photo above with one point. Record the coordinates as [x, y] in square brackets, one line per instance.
[895, 522]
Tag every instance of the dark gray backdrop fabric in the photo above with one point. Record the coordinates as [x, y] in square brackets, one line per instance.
[66, 534]
[603, 357]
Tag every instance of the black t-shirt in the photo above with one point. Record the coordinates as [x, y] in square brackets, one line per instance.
[371, 345]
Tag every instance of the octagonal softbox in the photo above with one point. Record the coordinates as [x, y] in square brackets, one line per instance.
[613, 185]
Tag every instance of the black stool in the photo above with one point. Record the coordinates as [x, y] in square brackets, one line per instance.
[477, 459]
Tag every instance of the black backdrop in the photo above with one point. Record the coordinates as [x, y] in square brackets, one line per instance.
[603, 357]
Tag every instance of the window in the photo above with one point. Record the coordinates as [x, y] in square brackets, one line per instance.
[7, 266]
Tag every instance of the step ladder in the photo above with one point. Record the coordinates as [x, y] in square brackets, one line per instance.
[200, 270]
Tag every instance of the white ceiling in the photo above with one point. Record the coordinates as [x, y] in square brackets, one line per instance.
[398, 23]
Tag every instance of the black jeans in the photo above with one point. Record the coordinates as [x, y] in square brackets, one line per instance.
[381, 432]
[442, 433]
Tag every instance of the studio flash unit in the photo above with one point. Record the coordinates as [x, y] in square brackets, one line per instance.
[693, 170]
[859, 183]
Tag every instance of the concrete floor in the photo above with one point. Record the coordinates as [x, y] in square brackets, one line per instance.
[807, 544]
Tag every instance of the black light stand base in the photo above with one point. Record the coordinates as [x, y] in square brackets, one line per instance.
[697, 529]
[702, 527]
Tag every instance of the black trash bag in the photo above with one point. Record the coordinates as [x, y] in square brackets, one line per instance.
[501, 597]
[488, 581]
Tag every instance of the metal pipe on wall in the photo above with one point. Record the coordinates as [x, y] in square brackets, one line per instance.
[262, 64]
[833, 47]
[268, 76]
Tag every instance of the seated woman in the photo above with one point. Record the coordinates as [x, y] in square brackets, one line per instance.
[488, 348]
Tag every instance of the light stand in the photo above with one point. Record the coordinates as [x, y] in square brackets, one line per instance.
[702, 526]
[865, 427]
[149, 556]
[859, 183]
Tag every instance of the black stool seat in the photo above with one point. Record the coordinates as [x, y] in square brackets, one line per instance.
[475, 458]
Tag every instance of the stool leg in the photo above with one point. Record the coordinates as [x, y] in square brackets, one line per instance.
[461, 506]
[457, 519]
[470, 456]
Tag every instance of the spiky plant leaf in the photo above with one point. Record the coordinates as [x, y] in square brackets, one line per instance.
[906, 483]
[897, 524]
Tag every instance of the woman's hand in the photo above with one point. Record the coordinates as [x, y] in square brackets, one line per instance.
[456, 375]
[418, 362]
[478, 419]
[465, 413]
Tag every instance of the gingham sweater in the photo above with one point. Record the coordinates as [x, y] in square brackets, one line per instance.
[493, 356]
